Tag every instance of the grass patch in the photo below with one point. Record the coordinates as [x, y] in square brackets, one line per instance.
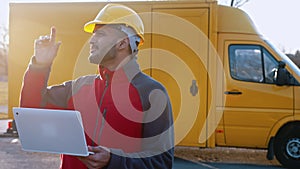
[3, 99]
[3, 116]
[3, 93]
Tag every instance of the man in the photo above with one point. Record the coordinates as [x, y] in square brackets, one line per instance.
[126, 114]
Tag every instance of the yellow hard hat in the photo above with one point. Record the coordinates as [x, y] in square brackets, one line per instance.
[118, 14]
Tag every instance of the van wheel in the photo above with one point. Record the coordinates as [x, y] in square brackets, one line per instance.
[287, 147]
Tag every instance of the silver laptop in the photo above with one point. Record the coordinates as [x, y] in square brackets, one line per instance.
[52, 131]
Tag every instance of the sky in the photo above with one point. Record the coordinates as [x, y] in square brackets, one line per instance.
[275, 19]
[278, 20]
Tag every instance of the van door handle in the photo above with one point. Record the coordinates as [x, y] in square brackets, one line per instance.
[233, 92]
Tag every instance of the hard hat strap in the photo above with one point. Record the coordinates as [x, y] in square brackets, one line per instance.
[134, 40]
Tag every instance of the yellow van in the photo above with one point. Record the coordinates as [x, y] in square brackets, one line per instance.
[229, 86]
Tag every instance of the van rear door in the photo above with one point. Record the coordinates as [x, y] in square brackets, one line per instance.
[179, 61]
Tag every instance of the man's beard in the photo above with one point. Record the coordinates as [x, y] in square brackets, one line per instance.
[99, 57]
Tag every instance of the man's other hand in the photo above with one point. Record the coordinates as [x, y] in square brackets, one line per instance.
[99, 159]
[45, 48]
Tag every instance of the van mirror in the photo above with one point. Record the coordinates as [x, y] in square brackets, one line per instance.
[281, 75]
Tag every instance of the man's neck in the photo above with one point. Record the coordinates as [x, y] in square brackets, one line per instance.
[117, 64]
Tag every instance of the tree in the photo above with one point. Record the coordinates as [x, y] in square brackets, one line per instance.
[3, 50]
[238, 3]
[297, 58]
[233, 3]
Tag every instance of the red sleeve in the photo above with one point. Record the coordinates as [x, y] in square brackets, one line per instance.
[35, 93]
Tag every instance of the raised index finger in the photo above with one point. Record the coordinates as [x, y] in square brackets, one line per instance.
[53, 34]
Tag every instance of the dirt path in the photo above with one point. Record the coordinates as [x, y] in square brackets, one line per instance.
[228, 155]
[12, 156]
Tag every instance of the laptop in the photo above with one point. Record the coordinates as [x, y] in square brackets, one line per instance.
[51, 131]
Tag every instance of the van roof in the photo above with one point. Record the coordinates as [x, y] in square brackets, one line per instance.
[234, 20]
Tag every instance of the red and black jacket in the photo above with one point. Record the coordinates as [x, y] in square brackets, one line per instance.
[125, 110]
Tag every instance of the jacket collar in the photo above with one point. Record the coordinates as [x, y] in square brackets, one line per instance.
[130, 69]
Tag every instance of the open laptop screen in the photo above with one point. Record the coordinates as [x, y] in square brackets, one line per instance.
[52, 131]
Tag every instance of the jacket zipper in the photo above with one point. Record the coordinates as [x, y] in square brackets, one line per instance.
[102, 125]
[103, 120]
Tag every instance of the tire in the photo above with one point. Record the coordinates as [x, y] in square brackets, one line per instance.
[287, 147]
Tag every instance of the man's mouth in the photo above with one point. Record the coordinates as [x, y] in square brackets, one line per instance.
[92, 49]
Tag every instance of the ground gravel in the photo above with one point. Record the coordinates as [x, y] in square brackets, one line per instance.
[13, 157]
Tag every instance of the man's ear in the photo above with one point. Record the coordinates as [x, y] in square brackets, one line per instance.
[124, 43]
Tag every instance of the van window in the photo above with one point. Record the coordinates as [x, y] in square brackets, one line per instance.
[251, 63]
